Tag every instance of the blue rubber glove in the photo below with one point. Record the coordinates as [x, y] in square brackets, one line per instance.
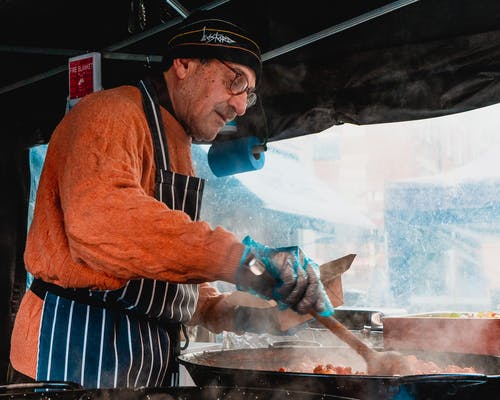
[285, 275]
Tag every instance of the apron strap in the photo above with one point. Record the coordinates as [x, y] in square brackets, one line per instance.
[153, 116]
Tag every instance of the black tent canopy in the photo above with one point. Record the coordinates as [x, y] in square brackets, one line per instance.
[324, 63]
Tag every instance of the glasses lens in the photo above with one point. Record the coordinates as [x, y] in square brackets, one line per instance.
[239, 84]
[251, 99]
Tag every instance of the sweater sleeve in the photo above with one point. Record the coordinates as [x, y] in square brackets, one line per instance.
[97, 183]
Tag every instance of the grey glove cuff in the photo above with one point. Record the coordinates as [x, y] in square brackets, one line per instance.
[257, 320]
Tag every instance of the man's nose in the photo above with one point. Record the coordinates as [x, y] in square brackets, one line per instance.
[239, 103]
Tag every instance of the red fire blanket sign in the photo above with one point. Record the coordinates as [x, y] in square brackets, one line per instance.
[84, 75]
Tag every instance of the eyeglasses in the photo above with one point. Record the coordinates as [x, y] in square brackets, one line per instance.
[239, 85]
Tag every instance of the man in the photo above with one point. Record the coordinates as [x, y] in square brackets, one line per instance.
[120, 258]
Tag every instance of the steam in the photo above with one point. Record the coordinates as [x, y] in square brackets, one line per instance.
[464, 342]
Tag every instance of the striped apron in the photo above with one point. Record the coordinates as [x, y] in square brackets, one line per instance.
[127, 337]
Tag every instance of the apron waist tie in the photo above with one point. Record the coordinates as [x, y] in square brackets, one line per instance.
[84, 296]
[40, 288]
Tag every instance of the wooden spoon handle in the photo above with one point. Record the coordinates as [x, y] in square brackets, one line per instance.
[346, 335]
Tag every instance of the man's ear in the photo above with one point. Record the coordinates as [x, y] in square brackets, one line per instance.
[181, 66]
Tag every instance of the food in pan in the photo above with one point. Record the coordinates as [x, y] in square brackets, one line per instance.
[429, 367]
[419, 367]
[335, 369]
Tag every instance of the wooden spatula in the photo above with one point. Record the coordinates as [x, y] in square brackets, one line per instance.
[378, 363]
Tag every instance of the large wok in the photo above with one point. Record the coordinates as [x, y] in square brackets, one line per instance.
[258, 367]
[68, 391]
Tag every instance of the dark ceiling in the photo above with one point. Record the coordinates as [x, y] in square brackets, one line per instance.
[326, 62]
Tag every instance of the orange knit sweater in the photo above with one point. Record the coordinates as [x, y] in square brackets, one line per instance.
[97, 224]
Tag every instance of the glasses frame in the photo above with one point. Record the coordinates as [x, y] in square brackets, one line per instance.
[233, 86]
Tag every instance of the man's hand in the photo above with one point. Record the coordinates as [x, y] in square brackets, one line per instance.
[284, 274]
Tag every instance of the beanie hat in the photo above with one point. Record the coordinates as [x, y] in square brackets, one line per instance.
[214, 38]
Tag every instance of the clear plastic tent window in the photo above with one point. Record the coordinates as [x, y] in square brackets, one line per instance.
[36, 159]
[418, 202]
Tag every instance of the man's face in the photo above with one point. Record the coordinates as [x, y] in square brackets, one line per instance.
[207, 102]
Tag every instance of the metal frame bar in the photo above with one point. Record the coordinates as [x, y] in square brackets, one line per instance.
[184, 12]
[337, 28]
[71, 53]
